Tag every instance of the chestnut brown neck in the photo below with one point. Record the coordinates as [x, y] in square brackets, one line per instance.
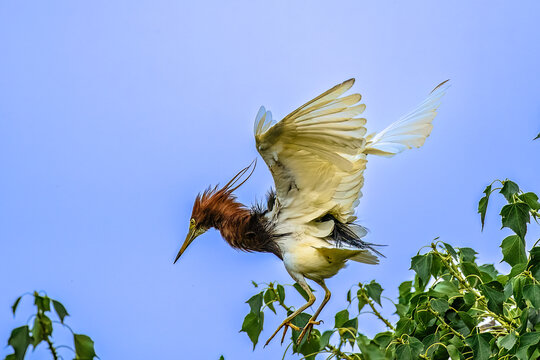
[242, 228]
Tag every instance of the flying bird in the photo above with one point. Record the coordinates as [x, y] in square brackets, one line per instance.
[317, 156]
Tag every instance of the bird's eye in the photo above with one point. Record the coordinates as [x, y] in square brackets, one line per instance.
[192, 222]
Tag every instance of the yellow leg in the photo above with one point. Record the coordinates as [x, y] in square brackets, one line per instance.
[287, 322]
[311, 322]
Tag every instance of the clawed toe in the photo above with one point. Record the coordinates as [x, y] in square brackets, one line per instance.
[294, 327]
[307, 330]
[286, 326]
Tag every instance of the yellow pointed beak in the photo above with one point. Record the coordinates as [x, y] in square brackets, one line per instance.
[192, 234]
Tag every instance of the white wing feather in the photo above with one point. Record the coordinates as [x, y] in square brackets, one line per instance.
[315, 156]
[409, 131]
[317, 153]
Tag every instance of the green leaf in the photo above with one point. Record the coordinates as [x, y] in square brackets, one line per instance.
[482, 206]
[401, 309]
[37, 332]
[43, 303]
[348, 329]
[370, 350]
[469, 298]
[450, 250]
[431, 344]
[383, 338]
[523, 319]
[508, 341]
[60, 310]
[453, 352]
[361, 300]
[15, 304]
[516, 216]
[221, 357]
[310, 345]
[281, 292]
[418, 285]
[467, 319]
[325, 339]
[517, 287]
[254, 284]
[531, 199]
[447, 288]
[533, 317]
[488, 272]
[405, 292]
[301, 291]
[439, 305]
[479, 343]
[341, 317]
[404, 352]
[252, 325]
[404, 326]
[470, 268]
[509, 189]
[534, 262]
[269, 298]
[525, 341]
[531, 292]
[513, 249]
[374, 291]
[416, 346]
[494, 292]
[456, 341]
[517, 269]
[508, 290]
[458, 324]
[467, 254]
[424, 318]
[410, 350]
[437, 267]
[421, 264]
[20, 340]
[537, 136]
[419, 299]
[255, 303]
[84, 347]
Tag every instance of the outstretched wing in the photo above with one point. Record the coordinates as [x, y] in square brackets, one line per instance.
[315, 155]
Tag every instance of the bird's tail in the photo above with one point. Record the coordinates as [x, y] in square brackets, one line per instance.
[409, 131]
[340, 254]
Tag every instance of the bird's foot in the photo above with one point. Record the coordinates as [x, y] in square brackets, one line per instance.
[307, 329]
[286, 325]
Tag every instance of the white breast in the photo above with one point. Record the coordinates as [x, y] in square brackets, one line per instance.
[301, 257]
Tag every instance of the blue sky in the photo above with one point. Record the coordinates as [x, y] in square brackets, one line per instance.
[114, 115]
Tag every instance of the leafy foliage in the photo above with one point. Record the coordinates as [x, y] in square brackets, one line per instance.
[42, 330]
[455, 308]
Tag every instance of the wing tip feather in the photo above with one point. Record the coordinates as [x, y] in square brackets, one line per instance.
[441, 85]
[348, 83]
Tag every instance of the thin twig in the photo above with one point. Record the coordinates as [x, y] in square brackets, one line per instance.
[51, 348]
[334, 350]
[446, 326]
[375, 311]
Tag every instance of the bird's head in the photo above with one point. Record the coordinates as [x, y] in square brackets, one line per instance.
[212, 206]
